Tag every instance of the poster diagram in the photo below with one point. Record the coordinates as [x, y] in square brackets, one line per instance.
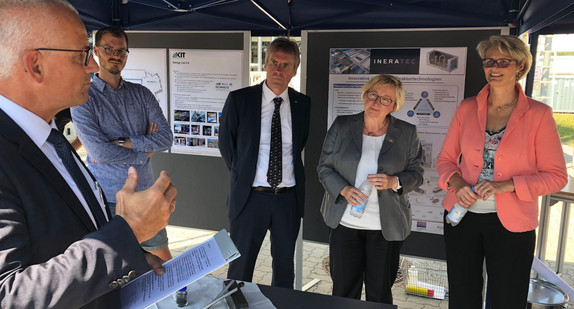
[434, 85]
[200, 81]
[147, 66]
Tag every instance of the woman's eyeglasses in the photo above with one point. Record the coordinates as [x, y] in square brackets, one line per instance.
[373, 96]
[501, 63]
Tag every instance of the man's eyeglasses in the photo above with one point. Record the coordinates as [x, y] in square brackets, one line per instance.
[110, 51]
[373, 96]
[89, 52]
[501, 63]
[278, 65]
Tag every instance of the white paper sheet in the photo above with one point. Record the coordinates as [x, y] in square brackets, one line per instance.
[179, 272]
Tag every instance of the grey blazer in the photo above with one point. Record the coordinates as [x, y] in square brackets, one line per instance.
[401, 155]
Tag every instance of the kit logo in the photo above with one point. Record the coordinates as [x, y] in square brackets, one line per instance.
[178, 55]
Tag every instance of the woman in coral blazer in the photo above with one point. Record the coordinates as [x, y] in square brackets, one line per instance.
[502, 151]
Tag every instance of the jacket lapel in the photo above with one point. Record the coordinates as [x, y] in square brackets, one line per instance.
[35, 157]
[297, 125]
[357, 125]
[393, 132]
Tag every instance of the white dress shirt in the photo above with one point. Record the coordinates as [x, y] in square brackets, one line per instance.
[38, 130]
[267, 108]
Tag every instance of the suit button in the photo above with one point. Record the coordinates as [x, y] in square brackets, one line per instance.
[132, 274]
[121, 282]
[126, 278]
[114, 284]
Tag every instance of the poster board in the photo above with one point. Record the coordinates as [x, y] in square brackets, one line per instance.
[201, 196]
[316, 48]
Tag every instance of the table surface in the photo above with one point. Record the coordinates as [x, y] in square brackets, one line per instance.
[286, 298]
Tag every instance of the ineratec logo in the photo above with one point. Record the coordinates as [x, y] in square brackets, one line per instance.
[178, 55]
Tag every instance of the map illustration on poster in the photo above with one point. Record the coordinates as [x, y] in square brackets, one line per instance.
[434, 85]
[148, 67]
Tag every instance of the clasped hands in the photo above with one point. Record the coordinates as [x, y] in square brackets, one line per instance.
[484, 189]
[355, 197]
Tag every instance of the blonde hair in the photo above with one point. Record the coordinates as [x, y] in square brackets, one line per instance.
[511, 46]
[382, 80]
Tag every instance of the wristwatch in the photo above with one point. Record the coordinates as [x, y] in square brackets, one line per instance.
[121, 141]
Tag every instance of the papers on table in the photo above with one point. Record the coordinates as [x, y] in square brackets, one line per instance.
[180, 271]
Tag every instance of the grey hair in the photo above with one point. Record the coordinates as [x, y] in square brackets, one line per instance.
[18, 28]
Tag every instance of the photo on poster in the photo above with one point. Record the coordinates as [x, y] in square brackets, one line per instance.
[195, 129]
[181, 115]
[207, 130]
[212, 143]
[198, 116]
[211, 117]
[180, 140]
[215, 130]
[179, 128]
[195, 142]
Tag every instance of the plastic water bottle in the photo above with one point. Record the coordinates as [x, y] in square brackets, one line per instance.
[456, 214]
[366, 188]
[181, 297]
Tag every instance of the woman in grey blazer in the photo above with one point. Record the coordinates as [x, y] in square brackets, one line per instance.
[365, 245]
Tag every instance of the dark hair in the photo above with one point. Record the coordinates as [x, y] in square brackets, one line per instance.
[113, 30]
[285, 45]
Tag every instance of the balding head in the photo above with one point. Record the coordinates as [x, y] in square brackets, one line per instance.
[43, 65]
[27, 24]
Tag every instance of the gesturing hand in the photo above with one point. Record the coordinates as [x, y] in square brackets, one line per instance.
[148, 211]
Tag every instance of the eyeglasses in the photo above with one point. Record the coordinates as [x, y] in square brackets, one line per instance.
[501, 63]
[373, 96]
[278, 65]
[110, 51]
[89, 52]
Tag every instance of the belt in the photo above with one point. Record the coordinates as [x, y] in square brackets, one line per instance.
[276, 191]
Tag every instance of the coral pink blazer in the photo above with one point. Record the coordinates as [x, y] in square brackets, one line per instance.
[529, 153]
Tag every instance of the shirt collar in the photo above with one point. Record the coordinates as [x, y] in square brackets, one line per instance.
[99, 84]
[35, 127]
[268, 94]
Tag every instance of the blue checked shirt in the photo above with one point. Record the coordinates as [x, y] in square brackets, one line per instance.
[110, 114]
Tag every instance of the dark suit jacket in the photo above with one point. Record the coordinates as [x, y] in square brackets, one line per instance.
[51, 255]
[401, 155]
[239, 135]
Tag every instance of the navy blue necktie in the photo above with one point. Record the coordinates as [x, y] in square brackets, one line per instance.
[64, 150]
[274, 172]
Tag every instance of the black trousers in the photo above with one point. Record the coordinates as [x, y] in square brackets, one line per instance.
[262, 212]
[358, 256]
[508, 256]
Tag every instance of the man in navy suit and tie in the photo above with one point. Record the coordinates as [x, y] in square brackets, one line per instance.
[59, 245]
[263, 131]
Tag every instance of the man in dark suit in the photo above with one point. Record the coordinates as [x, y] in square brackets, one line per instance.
[263, 130]
[59, 245]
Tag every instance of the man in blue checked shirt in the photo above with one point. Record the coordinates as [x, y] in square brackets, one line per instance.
[121, 125]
